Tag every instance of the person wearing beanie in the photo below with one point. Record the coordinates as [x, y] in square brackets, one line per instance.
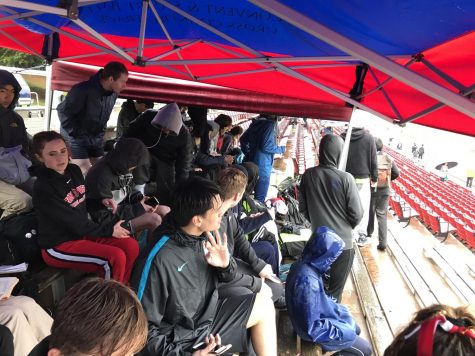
[15, 192]
[170, 146]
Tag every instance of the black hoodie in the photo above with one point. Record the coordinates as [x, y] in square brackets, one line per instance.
[59, 201]
[362, 161]
[328, 196]
[109, 177]
[12, 127]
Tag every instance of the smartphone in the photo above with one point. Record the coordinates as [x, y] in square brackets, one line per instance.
[221, 349]
[218, 350]
[128, 226]
[152, 201]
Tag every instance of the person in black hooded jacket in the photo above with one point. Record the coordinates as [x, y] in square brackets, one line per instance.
[329, 197]
[68, 239]
[109, 187]
[129, 111]
[14, 197]
[362, 164]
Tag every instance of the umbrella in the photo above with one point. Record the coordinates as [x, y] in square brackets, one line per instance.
[449, 165]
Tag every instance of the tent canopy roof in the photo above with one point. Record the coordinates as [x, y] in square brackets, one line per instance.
[420, 54]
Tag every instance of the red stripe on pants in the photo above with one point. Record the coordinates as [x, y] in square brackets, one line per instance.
[117, 254]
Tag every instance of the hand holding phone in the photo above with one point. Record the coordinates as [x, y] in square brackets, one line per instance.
[210, 346]
[152, 201]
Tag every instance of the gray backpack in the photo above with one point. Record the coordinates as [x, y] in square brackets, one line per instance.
[384, 170]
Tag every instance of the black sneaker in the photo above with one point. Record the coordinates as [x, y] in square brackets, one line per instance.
[280, 303]
[381, 248]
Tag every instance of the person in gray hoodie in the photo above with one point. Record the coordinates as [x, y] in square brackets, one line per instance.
[15, 187]
[170, 145]
[329, 197]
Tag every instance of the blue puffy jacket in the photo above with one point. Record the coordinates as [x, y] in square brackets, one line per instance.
[315, 316]
[258, 143]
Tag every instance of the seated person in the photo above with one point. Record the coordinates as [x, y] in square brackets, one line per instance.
[6, 341]
[15, 182]
[129, 111]
[96, 317]
[232, 182]
[68, 239]
[315, 316]
[204, 162]
[223, 139]
[234, 148]
[27, 321]
[177, 277]
[109, 188]
[170, 145]
[437, 330]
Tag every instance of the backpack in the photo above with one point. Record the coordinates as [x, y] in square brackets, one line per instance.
[384, 171]
[21, 231]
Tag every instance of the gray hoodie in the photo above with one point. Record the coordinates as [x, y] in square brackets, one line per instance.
[328, 196]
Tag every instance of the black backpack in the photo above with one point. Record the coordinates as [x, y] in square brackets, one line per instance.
[21, 230]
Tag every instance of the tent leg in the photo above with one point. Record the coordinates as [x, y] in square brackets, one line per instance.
[346, 145]
[48, 98]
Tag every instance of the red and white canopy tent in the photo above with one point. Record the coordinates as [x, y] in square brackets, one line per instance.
[413, 62]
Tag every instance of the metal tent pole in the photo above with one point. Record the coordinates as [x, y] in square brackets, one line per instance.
[346, 145]
[48, 97]
[366, 55]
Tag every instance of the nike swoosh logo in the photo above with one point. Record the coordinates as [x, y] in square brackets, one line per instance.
[179, 269]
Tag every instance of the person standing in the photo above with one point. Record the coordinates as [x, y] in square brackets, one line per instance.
[414, 149]
[85, 112]
[380, 195]
[420, 151]
[329, 197]
[470, 175]
[259, 144]
[362, 164]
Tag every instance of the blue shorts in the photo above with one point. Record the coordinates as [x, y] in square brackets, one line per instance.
[83, 147]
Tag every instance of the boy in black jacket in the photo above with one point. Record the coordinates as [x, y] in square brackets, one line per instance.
[176, 280]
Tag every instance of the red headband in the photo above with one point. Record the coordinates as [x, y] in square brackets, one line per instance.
[427, 329]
